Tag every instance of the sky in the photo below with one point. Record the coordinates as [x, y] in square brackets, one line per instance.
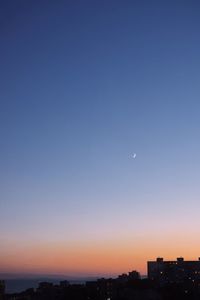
[83, 86]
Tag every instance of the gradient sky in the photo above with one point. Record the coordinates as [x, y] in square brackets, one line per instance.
[83, 85]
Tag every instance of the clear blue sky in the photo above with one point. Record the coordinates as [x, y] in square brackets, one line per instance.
[83, 85]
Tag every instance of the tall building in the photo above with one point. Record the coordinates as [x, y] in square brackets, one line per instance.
[178, 271]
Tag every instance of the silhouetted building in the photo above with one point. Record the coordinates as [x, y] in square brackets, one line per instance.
[179, 271]
[64, 283]
[45, 285]
[2, 288]
[134, 275]
[102, 289]
[123, 278]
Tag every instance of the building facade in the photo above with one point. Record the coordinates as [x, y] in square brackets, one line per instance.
[178, 271]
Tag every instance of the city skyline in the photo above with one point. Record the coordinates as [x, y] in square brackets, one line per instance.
[99, 130]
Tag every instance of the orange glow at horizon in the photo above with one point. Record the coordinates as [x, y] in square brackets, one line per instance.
[106, 258]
